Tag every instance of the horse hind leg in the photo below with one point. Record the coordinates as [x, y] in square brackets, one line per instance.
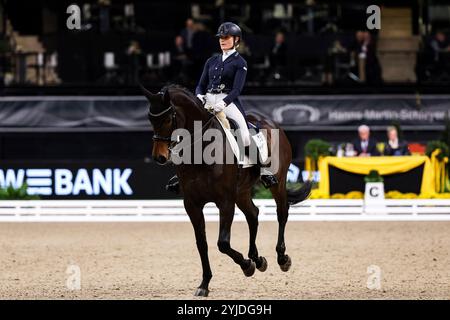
[280, 196]
[251, 212]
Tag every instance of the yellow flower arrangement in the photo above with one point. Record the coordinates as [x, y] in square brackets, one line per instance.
[350, 195]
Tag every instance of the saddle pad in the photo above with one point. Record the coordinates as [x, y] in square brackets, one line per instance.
[245, 161]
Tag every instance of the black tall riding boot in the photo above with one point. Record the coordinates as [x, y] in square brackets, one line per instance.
[268, 179]
[173, 185]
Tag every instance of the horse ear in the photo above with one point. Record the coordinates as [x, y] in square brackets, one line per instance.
[166, 98]
[150, 96]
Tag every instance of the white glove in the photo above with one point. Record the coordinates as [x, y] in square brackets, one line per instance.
[209, 107]
[202, 98]
[219, 106]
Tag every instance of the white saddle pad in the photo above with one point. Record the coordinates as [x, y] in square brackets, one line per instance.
[245, 161]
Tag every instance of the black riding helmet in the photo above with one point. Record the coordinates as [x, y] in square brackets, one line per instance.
[230, 29]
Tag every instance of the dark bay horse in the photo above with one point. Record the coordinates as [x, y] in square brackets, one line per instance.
[225, 184]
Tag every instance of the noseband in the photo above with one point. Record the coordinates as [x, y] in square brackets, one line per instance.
[171, 109]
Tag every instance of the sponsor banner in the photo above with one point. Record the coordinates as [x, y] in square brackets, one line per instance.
[131, 112]
[352, 110]
[88, 180]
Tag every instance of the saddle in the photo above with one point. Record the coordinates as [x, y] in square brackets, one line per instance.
[231, 124]
[258, 140]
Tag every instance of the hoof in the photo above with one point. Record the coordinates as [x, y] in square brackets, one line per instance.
[250, 270]
[287, 265]
[263, 266]
[200, 292]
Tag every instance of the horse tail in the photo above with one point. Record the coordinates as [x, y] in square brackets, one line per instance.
[299, 195]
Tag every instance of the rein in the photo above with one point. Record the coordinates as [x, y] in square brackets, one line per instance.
[176, 152]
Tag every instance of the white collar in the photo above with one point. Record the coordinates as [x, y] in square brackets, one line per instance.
[226, 54]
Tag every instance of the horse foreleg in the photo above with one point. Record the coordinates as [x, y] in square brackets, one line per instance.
[251, 212]
[198, 222]
[226, 219]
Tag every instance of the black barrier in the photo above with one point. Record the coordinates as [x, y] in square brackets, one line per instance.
[89, 180]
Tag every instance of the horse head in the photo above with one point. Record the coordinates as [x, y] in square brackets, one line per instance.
[161, 115]
[168, 111]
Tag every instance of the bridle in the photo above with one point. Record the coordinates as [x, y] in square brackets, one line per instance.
[157, 137]
[173, 114]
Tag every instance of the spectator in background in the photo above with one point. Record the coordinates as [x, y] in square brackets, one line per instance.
[188, 33]
[364, 58]
[433, 64]
[134, 48]
[355, 47]
[278, 55]
[133, 56]
[180, 61]
[104, 15]
[395, 146]
[365, 146]
[336, 55]
[439, 44]
[440, 47]
[179, 54]
[201, 48]
[244, 50]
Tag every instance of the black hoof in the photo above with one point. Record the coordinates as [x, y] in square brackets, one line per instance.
[263, 266]
[287, 265]
[250, 270]
[200, 292]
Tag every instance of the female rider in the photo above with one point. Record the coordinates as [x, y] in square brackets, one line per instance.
[221, 84]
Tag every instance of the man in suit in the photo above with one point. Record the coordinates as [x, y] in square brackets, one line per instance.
[364, 145]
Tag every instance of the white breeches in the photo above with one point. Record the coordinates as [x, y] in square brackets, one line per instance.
[232, 112]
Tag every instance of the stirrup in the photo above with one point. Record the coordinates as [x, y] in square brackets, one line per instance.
[173, 185]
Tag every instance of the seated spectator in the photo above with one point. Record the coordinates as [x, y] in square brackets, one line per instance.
[278, 56]
[439, 44]
[365, 146]
[335, 59]
[395, 146]
[440, 56]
